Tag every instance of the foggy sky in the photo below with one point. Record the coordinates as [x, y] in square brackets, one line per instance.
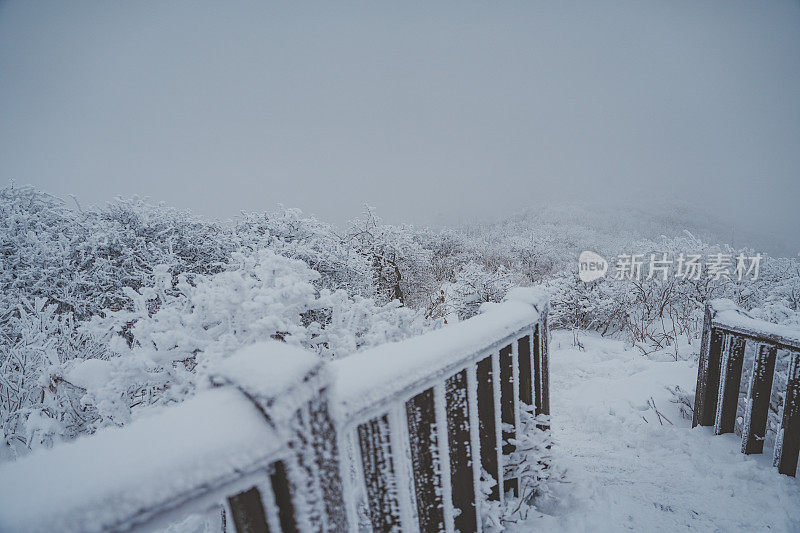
[431, 113]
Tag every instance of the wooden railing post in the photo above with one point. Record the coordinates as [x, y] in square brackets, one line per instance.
[540, 370]
[461, 454]
[488, 430]
[248, 513]
[508, 415]
[759, 391]
[426, 461]
[787, 444]
[544, 365]
[306, 483]
[726, 331]
[729, 381]
[706, 394]
[380, 474]
[326, 457]
[525, 370]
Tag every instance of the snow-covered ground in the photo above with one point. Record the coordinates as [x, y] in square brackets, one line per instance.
[622, 473]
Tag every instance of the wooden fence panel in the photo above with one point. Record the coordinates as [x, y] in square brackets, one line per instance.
[726, 331]
[787, 446]
[487, 423]
[248, 512]
[730, 378]
[426, 461]
[754, 428]
[460, 445]
[508, 413]
[525, 370]
[283, 497]
[544, 365]
[708, 391]
[407, 464]
[380, 475]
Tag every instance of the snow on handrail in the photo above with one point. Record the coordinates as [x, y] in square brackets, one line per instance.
[121, 476]
[102, 481]
[282, 441]
[425, 419]
[727, 315]
[369, 379]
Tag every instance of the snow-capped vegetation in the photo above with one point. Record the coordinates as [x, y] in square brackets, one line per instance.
[106, 311]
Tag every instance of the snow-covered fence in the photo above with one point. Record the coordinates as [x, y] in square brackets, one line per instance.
[727, 332]
[257, 451]
[419, 419]
[394, 439]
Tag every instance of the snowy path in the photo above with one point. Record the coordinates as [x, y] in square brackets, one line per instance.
[625, 474]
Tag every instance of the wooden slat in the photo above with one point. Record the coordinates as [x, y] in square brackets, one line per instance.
[379, 474]
[705, 407]
[730, 379]
[458, 438]
[326, 457]
[306, 489]
[544, 365]
[487, 424]
[787, 445]
[525, 370]
[759, 390]
[283, 497]
[702, 370]
[248, 512]
[537, 369]
[508, 410]
[426, 460]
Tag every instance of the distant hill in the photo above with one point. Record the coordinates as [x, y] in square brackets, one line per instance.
[587, 225]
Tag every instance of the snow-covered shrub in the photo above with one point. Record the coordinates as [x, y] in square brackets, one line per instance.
[574, 304]
[530, 460]
[82, 260]
[474, 285]
[290, 233]
[529, 463]
[400, 262]
[148, 293]
[37, 405]
[160, 356]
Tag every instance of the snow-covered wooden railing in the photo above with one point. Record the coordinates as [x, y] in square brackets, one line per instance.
[257, 451]
[393, 439]
[727, 331]
[420, 418]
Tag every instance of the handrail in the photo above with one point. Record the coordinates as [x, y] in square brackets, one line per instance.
[368, 380]
[727, 330]
[726, 315]
[280, 441]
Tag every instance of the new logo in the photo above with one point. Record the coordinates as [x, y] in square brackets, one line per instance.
[591, 266]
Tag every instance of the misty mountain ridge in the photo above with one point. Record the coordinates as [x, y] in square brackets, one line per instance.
[611, 226]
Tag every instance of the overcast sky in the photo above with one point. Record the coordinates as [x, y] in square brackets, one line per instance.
[428, 112]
